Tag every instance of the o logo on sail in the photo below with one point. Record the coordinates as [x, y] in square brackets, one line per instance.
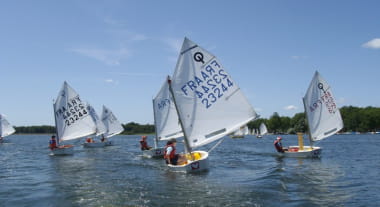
[320, 86]
[198, 56]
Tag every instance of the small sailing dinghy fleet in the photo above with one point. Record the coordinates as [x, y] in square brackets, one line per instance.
[200, 103]
[323, 118]
[204, 95]
[75, 118]
[6, 128]
[241, 132]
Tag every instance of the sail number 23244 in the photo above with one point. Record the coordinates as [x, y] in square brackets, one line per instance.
[209, 85]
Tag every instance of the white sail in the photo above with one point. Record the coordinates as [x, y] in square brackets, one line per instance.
[323, 115]
[113, 126]
[245, 130]
[100, 127]
[6, 128]
[263, 129]
[253, 131]
[238, 132]
[210, 104]
[165, 115]
[72, 117]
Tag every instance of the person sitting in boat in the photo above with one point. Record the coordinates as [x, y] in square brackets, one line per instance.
[52, 143]
[103, 139]
[170, 155]
[278, 145]
[90, 140]
[144, 144]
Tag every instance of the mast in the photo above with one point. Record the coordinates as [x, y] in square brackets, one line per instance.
[307, 123]
[188, 148]
[155, 126]
[55, 122]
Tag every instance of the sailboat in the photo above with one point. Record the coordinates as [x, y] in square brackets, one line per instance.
[209, 104]
[263, 130]
[72, 119]
[323, 118]
[254, 132]
[111, 125]
[100, 129]
[165, 121]
[246, 130]
[241, 132]
[6, 128]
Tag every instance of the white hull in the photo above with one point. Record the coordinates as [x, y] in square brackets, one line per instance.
[154, 153]
[63, 150]
[259, 136]
[308, 151]
[97, 144]
[193, 166]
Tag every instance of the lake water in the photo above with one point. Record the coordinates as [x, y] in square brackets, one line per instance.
[243, 172]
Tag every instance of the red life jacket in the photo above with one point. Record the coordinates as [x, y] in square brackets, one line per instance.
[52, 144]
[278, 146]
[172, 153]
[144, 145]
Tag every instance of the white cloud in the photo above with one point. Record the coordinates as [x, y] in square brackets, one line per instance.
[109, 57]
[290, 107]
[114, 22]
[138, 37]
[258, 109]
[111, 81]
[341, 101]
[119, 30]
[373, 44]
[140, 74]
[298, 57]
[174, 44]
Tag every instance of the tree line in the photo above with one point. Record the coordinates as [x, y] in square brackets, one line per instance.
[355, 119]
[129, 128]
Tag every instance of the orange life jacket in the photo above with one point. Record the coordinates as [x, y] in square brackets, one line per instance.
[172, 153]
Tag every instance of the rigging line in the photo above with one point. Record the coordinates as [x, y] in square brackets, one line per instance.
[212, 148]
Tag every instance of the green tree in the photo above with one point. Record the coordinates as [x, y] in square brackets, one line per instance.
[274, 123]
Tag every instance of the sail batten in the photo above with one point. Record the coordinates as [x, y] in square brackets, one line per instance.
[207, 98]
[324, 118]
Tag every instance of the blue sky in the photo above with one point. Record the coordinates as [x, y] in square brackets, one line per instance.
[118, 53]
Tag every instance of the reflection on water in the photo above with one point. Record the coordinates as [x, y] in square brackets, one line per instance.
[243, 172]
[311, 182]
